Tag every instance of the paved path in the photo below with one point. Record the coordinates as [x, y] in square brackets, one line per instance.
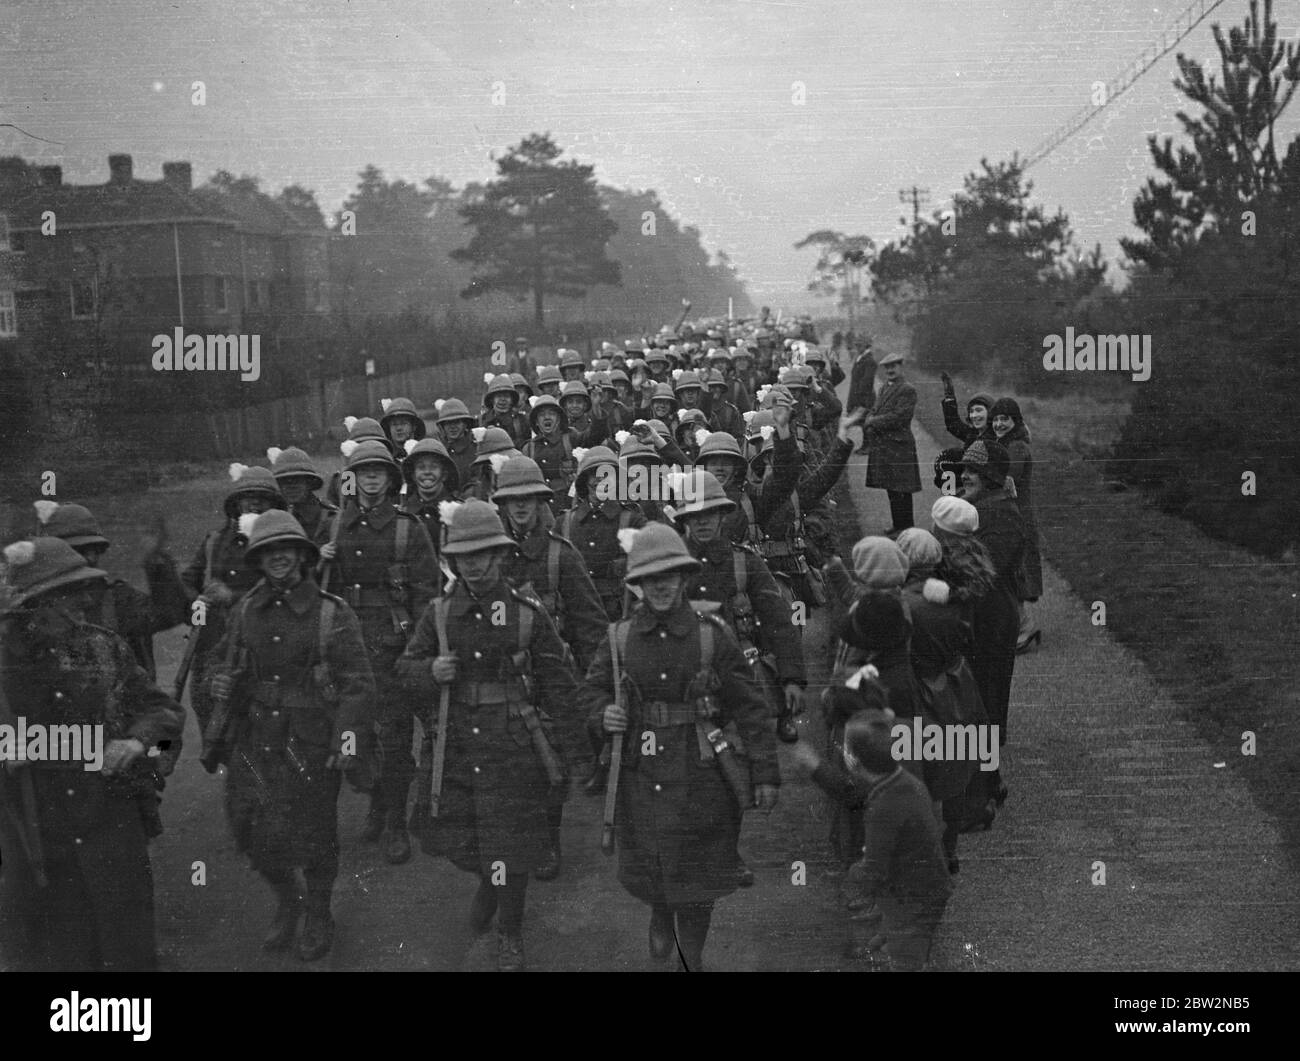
[1101, 769]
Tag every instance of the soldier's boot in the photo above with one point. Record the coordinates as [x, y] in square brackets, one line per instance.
[374, 827]
[692, 930]
[289, 904]
[397, 842]
[510, 954]
[510, 922]
[786, 731]
[744, 875]
[663, 932]
[549, 866]
[483, 908]
[318, 928]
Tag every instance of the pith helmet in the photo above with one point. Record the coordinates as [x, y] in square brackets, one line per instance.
[655, 549]
[450, 409]
[617, 375]
[593, 459]
[575, 389]
[517, 380]
[687, 380]
[719, 353]
[38, 566]
[720, 444]
[291, 462]
[364, 429]
[471, 527]
[663, 393]
[656, 356]
[546, 401]
[814, 356]
[402, 407]
[548, 374]
[714, 378]
[633, 450]
[277, 528]
[431, 447]
[74, 524]
[502, 384]
[698, 491]
[520, 477]
[374, 453]
[254, 482]
[494, 440]
[571, 359]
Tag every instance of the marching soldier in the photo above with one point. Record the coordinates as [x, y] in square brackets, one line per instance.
[554, 571]
[723, 415]
[592, 525]
[384, 567]
[495, 447]
[218, 576]
[298, 480]
[522, 388]
[552, 448]
[549, 381]
[675, 683]
[571, 367]
[455, 425]
[734, 389]
[490, 655]
[749, 601]
[589, 427]
[401, 423]
[431, 478]
[298, 688]
[76, 888]
[360, 429]
[501, 408]
[134, 616]
[755, 502]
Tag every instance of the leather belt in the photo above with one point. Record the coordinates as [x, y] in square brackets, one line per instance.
[477, 693]
[668, 713]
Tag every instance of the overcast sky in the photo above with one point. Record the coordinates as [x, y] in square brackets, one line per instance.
[694, 99]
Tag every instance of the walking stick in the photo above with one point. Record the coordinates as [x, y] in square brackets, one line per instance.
[444, 707]
[615, 750]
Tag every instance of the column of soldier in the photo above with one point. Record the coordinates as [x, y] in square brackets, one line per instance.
[596, 582]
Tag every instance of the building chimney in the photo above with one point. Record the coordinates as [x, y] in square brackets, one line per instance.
[51, 176]
[179, 175]
[119, 168]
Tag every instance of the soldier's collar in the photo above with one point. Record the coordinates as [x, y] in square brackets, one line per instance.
[679, 622]
[378, 517]
[299, 598]
[534, 543]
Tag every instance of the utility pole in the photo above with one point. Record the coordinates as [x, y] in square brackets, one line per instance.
[918, 197]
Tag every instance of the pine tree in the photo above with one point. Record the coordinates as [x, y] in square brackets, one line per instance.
[540, 228]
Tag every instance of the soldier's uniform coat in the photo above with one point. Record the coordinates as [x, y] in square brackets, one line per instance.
[280, 798]
[593, 531]
[228, 567]
[557, 464]
[677, 820]
[514, 424]
[315, 517]
[572, 602]
[495, 790]
[462, 452]
[774, 631]
[97, 910]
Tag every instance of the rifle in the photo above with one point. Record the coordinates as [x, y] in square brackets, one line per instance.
[187, 663]
[444, 710]
[24, 819]
[324, 568]
[215, 751]
[615, 749]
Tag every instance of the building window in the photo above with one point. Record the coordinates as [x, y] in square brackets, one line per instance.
[220, 298]
[82, 299]
[8, 315]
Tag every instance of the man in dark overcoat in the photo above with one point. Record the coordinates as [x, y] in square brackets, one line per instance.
[76, 887]
[891, 449]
